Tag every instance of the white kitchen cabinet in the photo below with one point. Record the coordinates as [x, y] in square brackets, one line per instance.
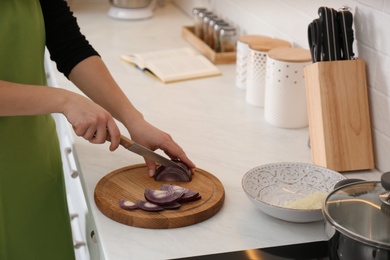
[76, 200]
[78, 209]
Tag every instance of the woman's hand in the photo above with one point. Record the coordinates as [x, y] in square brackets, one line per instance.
[91, 121]
[153, 138]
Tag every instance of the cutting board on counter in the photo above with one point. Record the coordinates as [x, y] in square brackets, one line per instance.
[130, 183]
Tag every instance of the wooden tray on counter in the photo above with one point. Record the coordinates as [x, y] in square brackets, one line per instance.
[130, 183]
[188, 33]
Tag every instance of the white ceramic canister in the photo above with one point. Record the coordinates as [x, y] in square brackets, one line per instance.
[285, 94]
[242, 57]
[256, 69]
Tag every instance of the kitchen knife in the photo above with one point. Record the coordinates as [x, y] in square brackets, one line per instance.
[345, 20]
[329, 29]
[314, 35]
[145, 152]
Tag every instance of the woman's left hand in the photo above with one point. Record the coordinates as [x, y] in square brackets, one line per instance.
[153, 138]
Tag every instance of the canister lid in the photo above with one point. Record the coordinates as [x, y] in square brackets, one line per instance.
[357, 211]
[290, 54]
[268, 44]
[252, 38]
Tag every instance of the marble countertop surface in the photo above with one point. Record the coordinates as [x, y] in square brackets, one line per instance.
[210, 119]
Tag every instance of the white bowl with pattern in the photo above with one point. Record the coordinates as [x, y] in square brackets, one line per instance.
[272, 186]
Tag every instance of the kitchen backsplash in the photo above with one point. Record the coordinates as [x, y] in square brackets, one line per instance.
[288, 20]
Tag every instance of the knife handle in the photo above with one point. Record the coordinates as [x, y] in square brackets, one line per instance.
[346, 34]
[314, 36]
[330, 44]
[124, 141]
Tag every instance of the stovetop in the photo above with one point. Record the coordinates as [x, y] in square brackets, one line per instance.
[306, 251]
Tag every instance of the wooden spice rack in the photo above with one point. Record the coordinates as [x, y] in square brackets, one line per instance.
[188, 33]
[339, 118]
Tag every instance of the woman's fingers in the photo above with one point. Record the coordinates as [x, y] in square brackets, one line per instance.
[174, 151]
[151, 167]
[113, 130]
[92, 122]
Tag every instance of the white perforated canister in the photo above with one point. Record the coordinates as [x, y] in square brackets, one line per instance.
[257, 61]
[285, 95]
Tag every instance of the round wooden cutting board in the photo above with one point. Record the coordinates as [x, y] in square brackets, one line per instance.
[130, 183]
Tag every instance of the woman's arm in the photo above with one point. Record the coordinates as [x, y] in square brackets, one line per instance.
[94, 79]
[76, 58]
[85, 116]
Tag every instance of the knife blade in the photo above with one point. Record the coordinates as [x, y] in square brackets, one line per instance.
[134, 147]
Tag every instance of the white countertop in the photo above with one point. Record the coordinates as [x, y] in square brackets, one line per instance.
[210, 119]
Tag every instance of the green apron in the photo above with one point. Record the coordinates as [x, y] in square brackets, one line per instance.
[34, 219]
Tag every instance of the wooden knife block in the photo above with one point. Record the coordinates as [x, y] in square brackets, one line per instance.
[338, 113]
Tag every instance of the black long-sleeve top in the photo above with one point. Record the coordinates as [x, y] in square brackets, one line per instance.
[66, 44]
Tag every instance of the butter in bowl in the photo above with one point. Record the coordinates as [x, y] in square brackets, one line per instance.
[290, 191]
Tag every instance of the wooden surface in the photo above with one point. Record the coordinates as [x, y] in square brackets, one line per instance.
[268, 44]
[339, 118]
[252, 38]
[290, 54]
[130, 183]
[188, 33]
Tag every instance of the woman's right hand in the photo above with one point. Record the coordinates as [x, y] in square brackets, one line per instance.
[91, 121]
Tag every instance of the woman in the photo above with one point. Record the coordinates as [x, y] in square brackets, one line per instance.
[34, 221]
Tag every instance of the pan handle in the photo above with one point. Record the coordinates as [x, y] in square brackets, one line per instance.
[345, 182]
[385, 180]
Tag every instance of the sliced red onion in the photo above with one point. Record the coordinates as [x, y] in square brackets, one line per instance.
[127, 204]
[198, 197]
[174, 205]
[189, 195]
[173, 173]
[190, 198]
[148, 206]
[162, 197]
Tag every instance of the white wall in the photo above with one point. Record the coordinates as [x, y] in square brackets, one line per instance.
[288, 20]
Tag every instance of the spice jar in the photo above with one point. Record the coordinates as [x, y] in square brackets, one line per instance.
[228, 38]
[216, 31]
[210, 31]
[199, 25]
[206, 20]
[197, 19]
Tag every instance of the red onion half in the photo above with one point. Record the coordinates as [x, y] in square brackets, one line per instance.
[173, 173]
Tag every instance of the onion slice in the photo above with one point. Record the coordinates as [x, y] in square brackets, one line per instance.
[174, 205]
[127, 204]
[162, 197]
[189, 195]
[148, 206]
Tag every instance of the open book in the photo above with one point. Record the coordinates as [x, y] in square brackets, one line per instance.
[173, 64]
